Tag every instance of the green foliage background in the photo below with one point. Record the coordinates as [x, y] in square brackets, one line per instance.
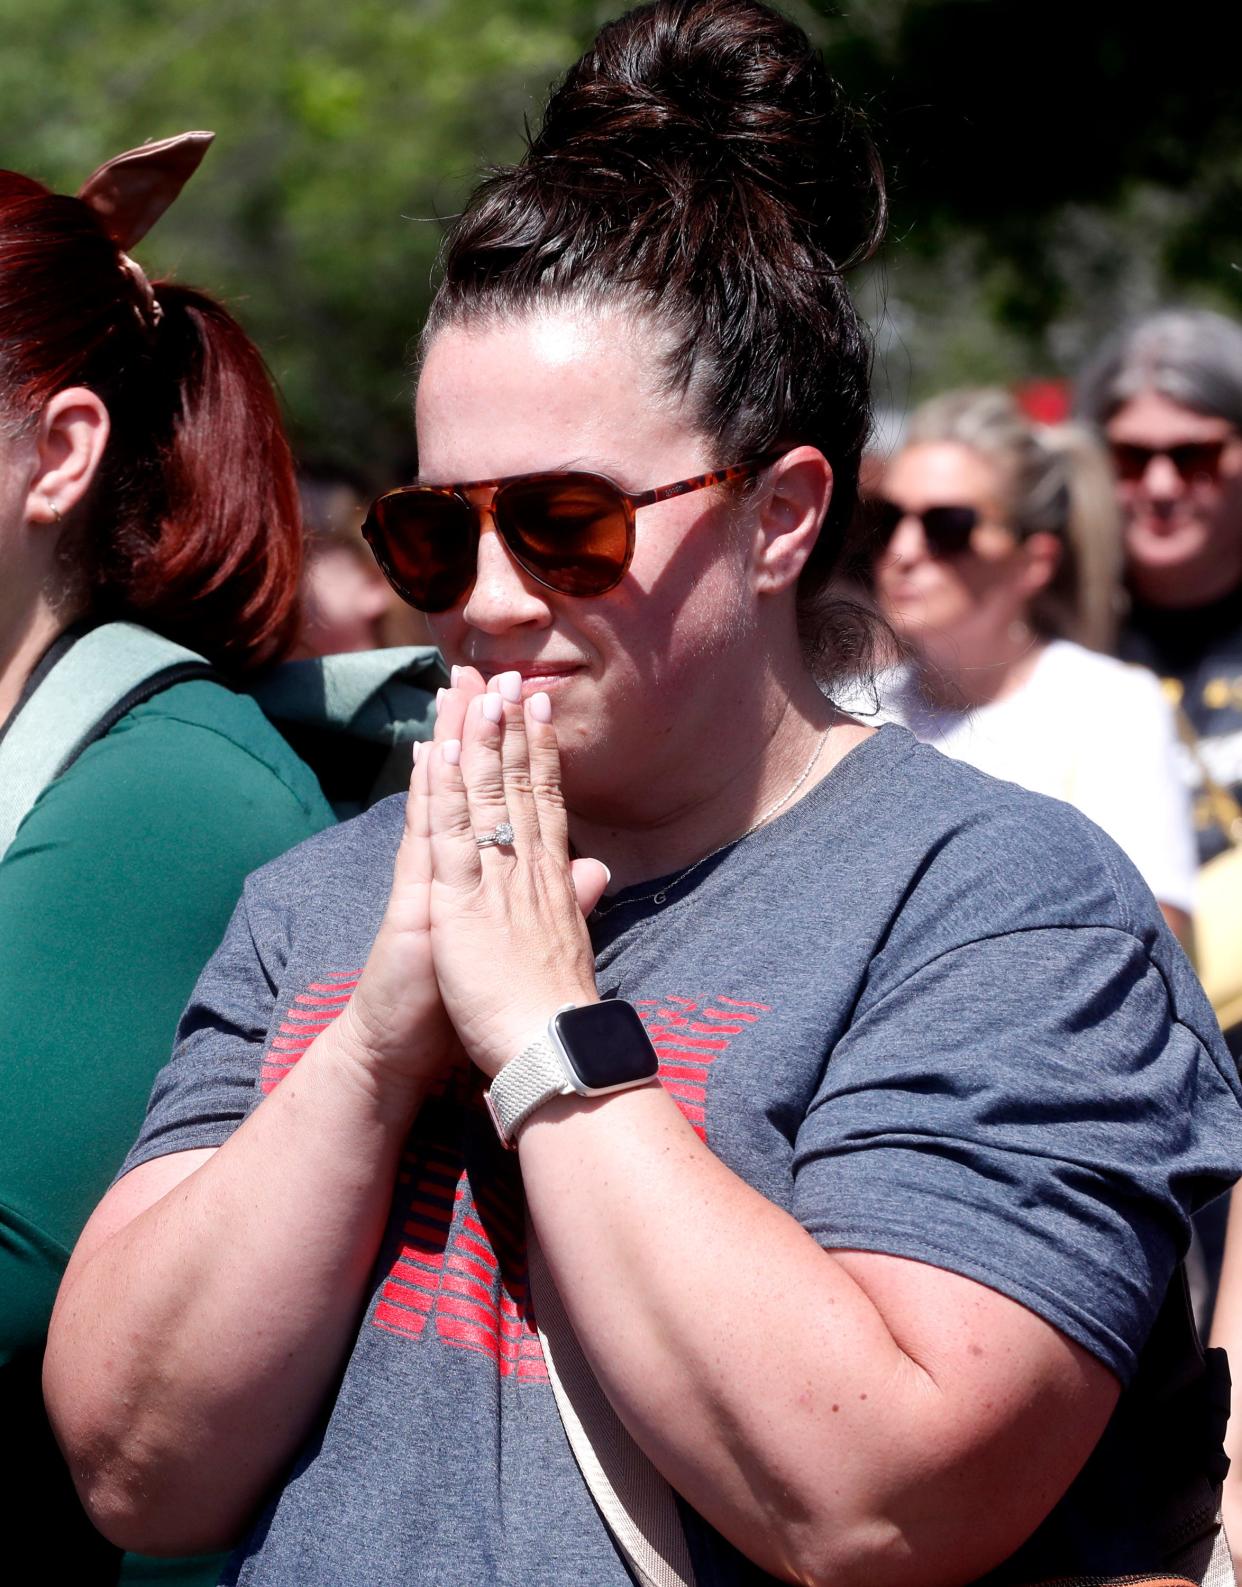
[1054, 167]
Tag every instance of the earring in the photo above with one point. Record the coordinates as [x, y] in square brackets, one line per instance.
[1019, 632]
[55, 512]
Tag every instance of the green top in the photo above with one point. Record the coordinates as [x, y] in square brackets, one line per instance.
[113, 894]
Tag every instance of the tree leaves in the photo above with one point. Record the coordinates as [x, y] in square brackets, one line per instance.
[1053, 166]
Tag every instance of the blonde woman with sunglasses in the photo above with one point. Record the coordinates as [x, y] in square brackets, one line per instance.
[999, 565]
[817, 1089]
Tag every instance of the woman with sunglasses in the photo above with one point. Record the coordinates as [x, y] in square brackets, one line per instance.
[860, 1283]
[1166, 393]
[999, 567]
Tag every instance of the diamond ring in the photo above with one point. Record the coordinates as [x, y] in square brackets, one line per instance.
[499, 837]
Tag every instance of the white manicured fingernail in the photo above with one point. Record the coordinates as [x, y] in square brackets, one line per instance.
[454, 674]
[414, 756]
[451, 750]
[510, 685]
[493, 707]
[541, 707]
[607, 874]
[440, 693]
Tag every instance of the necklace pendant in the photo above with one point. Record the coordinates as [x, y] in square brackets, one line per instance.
[659, 898]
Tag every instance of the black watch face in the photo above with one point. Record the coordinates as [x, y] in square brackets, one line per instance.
[607, 1044]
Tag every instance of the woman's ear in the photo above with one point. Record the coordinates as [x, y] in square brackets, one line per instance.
[1042, 555]
[794, 497]
[68, 448]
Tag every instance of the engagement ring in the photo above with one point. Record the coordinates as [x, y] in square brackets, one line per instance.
[498, 837]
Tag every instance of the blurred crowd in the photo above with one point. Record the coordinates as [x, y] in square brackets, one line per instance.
[1067, 599]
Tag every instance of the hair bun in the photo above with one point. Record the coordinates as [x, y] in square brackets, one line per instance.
[699, 168]
[714, 104]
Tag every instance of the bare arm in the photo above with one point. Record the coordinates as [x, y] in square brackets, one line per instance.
[212, 1296]
[842, 1417]
[210, 1302]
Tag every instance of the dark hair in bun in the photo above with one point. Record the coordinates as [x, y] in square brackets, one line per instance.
[699, 162]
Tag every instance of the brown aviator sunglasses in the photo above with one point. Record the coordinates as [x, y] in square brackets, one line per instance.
[571, 532]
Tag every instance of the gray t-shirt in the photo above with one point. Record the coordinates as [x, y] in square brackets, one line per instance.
[927, 1013]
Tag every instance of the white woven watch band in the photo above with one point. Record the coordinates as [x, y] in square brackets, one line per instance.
[525, 1083]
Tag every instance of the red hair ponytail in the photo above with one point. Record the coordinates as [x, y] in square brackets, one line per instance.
[193, 526]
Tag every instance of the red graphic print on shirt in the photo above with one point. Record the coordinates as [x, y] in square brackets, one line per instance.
[458, 1273]
[491, 1241]
[413, 1282]
[461, 1259]
[309, 1013]
[688, 1037]
[459, 1264]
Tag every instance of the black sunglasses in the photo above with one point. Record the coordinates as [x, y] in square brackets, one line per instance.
[1193, 460]
[947, 530]
[571, 532]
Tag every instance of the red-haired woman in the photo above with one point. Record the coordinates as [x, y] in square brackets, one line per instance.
[144, 477]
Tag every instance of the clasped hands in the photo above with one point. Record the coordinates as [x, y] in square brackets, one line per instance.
[478, 946]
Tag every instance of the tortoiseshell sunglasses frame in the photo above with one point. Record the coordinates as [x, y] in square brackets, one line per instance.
[627, 503]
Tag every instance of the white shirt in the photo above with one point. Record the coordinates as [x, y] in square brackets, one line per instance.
[1087, 729]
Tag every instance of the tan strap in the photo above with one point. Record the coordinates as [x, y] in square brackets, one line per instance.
[634, 1499]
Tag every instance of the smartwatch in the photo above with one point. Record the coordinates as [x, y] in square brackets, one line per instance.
[588, 1050]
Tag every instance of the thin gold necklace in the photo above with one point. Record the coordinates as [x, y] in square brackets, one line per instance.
[661, 896]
